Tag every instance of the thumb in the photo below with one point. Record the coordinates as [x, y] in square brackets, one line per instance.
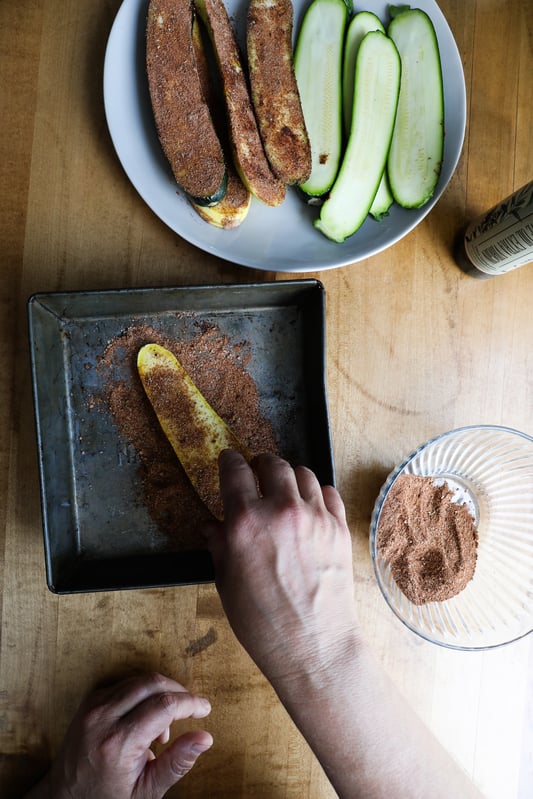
[174, 762]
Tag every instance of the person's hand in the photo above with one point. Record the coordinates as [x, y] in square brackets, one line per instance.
[106, 753]
[283, 566]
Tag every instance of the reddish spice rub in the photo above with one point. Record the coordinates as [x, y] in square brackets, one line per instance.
[275, 95]
[250, 159]
[429, 540]
[181, 114]
[195, 430]
[218, 367]
[231, 211]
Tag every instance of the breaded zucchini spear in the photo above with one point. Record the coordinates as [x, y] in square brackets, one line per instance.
[275, 95]
[182, 118]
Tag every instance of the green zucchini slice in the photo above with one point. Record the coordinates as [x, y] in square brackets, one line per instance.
[318, 70]
[376, 89]
[361, 24]
[383, 200]
[416, 152]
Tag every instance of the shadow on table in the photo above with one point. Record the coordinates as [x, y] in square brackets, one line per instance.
[20, 772]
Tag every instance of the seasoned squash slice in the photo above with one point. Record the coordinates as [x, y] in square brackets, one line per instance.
[196, 432]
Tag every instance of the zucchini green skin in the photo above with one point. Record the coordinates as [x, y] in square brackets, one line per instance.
[376, 89]
[383, 200]
[318, 70]
[214, 198]
[417, 147]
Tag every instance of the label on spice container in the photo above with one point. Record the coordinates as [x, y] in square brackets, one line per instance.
[502, 239]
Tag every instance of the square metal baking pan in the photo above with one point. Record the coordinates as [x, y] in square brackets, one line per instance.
[97, 536]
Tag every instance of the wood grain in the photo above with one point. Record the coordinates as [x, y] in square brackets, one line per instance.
[414, 348]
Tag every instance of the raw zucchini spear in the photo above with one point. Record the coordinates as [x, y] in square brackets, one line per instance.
[361, 24]
[318, 69]
[415, 157]
[195, 431]
[377, 84]
[382, 201]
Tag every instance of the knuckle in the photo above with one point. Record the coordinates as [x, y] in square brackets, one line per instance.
[110, 749]
[91, 719]
[167, 701]
[243, 521]
[182, 765]
[156, 679]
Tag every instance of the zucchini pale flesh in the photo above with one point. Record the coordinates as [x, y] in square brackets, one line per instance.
[195, 431]
[318, 69]
[376, 89]
[416, 151]
[383, 200]
[361, 24]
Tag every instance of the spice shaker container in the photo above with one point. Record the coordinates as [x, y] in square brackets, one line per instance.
[499, 240]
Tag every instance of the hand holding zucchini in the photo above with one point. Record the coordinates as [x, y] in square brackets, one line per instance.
[275, 96]
[182, 118]
[196, 432]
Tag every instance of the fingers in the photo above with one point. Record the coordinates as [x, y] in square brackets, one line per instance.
[276, 477]
[152, 718]
[237, 481]
[334, 503]
[123, 696]
[175, 761]
[308, 485]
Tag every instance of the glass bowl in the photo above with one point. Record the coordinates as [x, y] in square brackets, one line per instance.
[491, 468]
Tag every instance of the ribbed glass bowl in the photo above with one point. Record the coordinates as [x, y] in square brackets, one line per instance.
[493, 468]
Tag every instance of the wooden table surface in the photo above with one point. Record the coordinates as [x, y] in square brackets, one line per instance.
[415, 348]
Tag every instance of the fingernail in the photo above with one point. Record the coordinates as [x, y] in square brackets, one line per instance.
[206, 704]
[197, 749]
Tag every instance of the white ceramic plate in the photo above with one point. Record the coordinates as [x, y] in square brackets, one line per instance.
[280, 239]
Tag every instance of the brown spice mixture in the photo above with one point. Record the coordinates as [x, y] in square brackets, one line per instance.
[249, 153]
[429, 540]
[275, 95]
[182, 117]
[217, 366]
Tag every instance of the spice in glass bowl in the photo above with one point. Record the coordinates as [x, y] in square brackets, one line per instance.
[429, 538]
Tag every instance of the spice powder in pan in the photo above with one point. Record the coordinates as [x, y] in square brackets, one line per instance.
[429, 539]
[217, 367]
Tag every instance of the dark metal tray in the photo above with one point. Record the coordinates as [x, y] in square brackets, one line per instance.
[97, 535]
